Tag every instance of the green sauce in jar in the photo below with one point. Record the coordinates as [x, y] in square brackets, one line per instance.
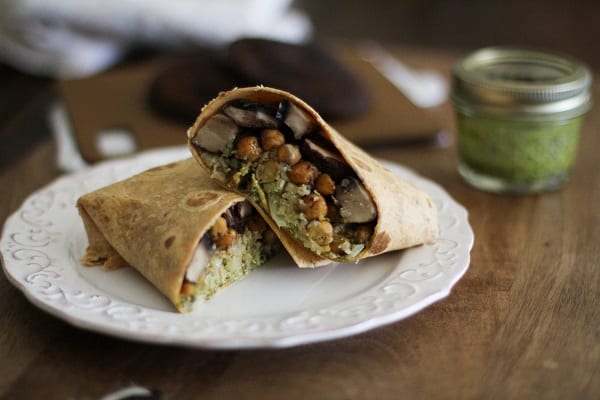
[529, 155]
[519, 114]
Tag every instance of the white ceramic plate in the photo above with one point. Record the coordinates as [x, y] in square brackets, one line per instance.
[277, 306]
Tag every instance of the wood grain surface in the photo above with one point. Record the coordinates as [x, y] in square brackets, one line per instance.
[523, 323]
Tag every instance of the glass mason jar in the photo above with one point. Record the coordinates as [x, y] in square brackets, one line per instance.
[518, 114]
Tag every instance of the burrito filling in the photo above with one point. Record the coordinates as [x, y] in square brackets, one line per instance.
[237, 243]
[276, 156]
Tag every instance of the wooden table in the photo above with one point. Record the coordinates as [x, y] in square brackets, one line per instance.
[523, 323]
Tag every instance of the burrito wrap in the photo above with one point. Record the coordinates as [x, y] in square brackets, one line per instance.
[406, 215]
[154, 222]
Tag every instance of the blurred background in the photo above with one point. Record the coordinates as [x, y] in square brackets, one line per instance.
[452, 26]
[569, 26]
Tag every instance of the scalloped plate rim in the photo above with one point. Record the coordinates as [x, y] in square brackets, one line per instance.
[236, 341]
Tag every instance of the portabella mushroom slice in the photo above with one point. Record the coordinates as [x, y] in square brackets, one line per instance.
[200, 259]
[236, 215]
[356, 205]
[325, 160]
[217, 133]
[299, 121]
[251, 115]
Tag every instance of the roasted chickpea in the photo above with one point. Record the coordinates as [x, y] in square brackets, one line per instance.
[324, 184]
[315, 207]
[363, 233]
[221, 234]
[267, 171]
[336, 245]
[271, 139]
[248, 148]
[321, 232]
[226, 240]
[289, 154]
[187, 288]
[218, 228]
[303, 173]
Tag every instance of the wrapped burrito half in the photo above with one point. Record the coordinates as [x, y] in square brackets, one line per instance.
[188, 236]
[309, 182]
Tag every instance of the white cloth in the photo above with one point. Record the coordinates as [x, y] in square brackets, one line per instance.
[77, 38]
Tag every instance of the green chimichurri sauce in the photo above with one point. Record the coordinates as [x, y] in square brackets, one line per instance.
[518, 152]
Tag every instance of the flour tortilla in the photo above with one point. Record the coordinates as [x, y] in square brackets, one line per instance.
[407, 216]
[154, 222]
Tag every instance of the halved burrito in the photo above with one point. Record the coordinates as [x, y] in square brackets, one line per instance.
[188, 236]
[307, 180]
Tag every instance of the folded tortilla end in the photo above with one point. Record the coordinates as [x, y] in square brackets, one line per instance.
[157, 221]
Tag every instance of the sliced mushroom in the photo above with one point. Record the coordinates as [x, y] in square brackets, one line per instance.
[244, 209]
[299, 122]
[200, 260]
[236, 215]
[325, 160]
[216, 133]
[356, 205]
[251, 115]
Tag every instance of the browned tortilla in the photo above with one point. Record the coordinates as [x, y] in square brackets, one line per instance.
[406, 215]
[153, 222]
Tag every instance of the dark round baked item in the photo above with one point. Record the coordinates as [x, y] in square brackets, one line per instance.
[181, 89]
[308, 71]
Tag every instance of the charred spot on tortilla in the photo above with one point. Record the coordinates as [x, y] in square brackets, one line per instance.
[200, 199]
[169, 241]
[380, 242]
[162, 168]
